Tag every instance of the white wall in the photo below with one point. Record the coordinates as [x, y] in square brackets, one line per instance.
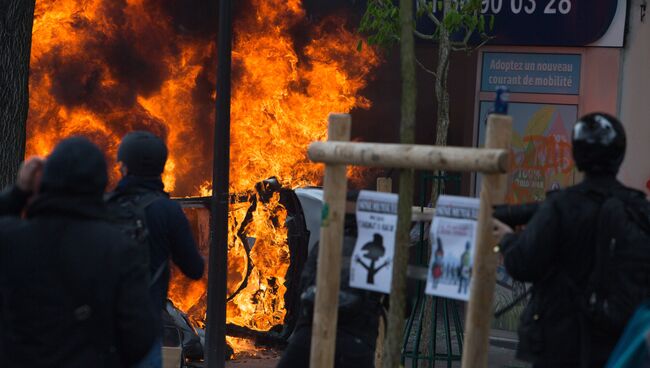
[634, 104]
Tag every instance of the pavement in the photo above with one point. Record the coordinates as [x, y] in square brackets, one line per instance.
[501, 354]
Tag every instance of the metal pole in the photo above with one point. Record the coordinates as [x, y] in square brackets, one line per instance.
[215, 349]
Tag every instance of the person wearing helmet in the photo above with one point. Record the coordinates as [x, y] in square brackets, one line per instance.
[142, 157]
[557, 250]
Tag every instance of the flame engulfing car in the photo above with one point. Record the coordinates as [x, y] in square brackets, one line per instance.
[268, 245]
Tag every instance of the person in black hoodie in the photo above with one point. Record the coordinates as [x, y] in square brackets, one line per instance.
[556, 252]
[142, 157]
[73, 292]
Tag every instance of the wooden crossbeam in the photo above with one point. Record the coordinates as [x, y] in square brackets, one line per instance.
[337, 152]
[410, 156]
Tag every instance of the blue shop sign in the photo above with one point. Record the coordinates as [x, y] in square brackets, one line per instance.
[543, 22]
[531, 72]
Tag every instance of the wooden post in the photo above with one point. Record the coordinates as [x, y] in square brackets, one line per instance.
[493, 190]
[383, 185]
[328, 275]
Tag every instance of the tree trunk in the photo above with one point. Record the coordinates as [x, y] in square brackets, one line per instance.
[442, 129]
[16, 19]
[442, 96]
[395, 334]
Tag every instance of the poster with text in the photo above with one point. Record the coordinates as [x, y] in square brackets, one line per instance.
[453, 240]
[372, 259]
[541, 157]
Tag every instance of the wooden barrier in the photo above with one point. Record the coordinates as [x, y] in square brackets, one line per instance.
[479, 311]
[384, 185]
[409, 156]
[329, 251]
[336, 154]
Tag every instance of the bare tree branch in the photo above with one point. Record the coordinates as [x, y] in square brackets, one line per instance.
[434, 19]
[422, 35]
[425, 68]
[430, 15]
[464, 46]
[468, 34]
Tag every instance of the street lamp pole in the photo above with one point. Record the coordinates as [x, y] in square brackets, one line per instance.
[215, 346]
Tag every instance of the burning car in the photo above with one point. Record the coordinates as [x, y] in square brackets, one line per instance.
[267, 250]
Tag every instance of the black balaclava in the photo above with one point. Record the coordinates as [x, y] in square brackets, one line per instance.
[76, 166]
[143, 153]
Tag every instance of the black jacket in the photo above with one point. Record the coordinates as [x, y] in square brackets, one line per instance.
[556, 250]
[73, 289]
[170, 235]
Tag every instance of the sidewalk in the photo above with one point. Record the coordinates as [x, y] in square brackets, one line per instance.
[500, 355]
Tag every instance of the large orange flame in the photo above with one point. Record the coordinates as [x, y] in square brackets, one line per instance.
[102, 68]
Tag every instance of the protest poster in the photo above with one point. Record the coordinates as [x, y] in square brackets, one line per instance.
[371, 265]
[453, 240]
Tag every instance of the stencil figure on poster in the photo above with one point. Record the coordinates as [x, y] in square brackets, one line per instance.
[464, 270]
[373, 251]
[437, 263]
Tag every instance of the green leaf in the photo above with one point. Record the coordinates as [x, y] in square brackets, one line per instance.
[440, 5]
[359, 45]
[481, 24]
[491, 22]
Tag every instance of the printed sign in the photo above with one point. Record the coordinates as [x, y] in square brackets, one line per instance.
[372, 259]
[531, 73]
[453, 238]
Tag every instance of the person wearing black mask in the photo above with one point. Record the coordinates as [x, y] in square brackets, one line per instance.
[142, 157]
[557, 251]
[72, 289]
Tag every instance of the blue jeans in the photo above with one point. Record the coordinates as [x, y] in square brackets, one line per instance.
[153, 359]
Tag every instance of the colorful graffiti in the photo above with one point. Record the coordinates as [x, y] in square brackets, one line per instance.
[541, 156]
[540, 159]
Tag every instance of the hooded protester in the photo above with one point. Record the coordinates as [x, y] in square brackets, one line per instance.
[142, 156]
[73, 292]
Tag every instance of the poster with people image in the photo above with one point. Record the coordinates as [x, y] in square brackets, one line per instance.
[371, 265]
[453, 238]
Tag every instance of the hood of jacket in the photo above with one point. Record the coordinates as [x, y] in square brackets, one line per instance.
[75, 167]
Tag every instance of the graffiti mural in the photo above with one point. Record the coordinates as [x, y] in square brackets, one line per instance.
[540, 159]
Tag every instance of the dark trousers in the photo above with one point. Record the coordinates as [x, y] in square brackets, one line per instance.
[351, 352]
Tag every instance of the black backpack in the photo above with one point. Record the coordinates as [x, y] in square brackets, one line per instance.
[127, 211]
[620, 278]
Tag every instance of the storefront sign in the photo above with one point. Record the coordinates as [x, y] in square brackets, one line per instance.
[531, 73]
[547, 22]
